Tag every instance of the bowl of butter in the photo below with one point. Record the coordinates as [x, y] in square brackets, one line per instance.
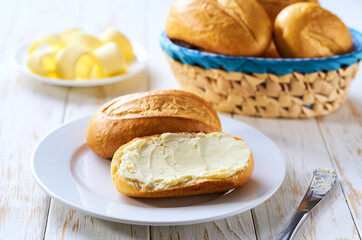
[75, 58]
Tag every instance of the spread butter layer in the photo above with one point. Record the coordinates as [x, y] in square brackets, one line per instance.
[173, 159]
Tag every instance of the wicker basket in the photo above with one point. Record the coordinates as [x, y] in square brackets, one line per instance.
[252, 86]
[293, 95]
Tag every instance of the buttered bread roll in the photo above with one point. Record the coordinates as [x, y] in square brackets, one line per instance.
[143, 114]
[181, 164]
[306, 30]
[229, 27]
[273, 7]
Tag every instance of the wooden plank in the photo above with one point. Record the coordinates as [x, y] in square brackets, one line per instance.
[28, 110]
[66, 223]
[8, 15]
[343, 136]
[237, 227]
[160, 73]
[342, 130]
[96, 16]
[302, 146]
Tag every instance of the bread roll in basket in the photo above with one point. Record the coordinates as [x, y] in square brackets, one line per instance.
[227, 27]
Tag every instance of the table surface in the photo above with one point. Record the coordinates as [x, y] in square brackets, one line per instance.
[29, 109]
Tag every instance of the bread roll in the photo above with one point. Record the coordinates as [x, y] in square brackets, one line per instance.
[148, 113]
[229, 27]
[305, 30]
[273, 7]
[181, 164]
[272, 51]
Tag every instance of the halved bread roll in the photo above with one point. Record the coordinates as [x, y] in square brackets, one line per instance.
[143, 114]
[181, 164]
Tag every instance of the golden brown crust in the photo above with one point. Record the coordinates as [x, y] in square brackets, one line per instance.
[273, 7]
[235, 27]
[143, 114]
[272, 51]
[188, 189]
[306, 30]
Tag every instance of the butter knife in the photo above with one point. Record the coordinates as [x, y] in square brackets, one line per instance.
[322, 182]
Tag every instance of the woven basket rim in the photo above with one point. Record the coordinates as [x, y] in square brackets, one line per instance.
[357, 50]
[278, 66]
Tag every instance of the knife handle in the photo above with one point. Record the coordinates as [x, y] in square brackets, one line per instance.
[293, 225]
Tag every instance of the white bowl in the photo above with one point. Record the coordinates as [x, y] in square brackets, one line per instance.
[133, 68]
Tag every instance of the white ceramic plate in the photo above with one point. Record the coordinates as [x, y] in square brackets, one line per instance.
[65, 168]
[133, 68]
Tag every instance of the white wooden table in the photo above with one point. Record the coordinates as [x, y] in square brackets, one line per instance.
[29, 109]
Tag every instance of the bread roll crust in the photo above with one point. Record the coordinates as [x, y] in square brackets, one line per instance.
[306, 30]
[229, 27]
[272, 51]
[143, 114]
[273, 7]
[187, 189]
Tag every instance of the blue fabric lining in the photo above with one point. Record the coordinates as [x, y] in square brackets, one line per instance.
[262, 65]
